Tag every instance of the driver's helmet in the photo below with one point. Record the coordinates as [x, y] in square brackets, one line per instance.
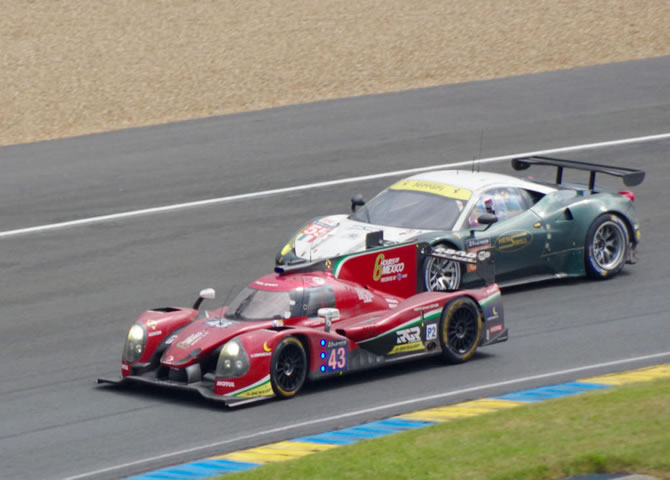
[486, 204]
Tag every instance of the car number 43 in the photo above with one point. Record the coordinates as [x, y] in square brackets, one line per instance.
[337, 359]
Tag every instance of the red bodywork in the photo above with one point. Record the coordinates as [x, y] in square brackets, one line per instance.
[382, 319]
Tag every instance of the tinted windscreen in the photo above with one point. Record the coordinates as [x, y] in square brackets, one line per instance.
[251, 304]
[410, 209]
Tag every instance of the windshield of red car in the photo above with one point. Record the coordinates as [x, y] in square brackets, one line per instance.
[410, 209]
[252, 304]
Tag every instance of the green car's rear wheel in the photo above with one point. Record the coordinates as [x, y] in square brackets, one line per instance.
[606, 246]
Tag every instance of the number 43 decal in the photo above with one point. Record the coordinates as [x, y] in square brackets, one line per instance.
[337, 359]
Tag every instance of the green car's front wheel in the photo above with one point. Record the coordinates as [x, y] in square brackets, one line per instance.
[606, 246]
[440, 274]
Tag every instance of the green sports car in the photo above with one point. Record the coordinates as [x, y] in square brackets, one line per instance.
[538, 230]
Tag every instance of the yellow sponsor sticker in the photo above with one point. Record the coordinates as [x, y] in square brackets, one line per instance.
[407, 347]
[263, 390]
[435, 188]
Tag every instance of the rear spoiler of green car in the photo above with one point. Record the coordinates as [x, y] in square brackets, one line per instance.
[631, 177]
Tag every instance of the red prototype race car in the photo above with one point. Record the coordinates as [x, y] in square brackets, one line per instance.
[313, 321]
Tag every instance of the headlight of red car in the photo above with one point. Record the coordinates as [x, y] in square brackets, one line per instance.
[233, 360]
[135, 343]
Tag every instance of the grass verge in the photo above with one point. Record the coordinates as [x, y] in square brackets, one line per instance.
[623, 429]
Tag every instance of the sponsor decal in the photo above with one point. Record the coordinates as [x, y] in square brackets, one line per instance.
[408, 335]
[266, 284]
[152, 324]
[314, 231]
[261, 354]
[154, 333]
[219, 323]
[493, 313]
[471, 243]
[400, 276]
[391, 302]
[364, 295]
[433, 187]
[426, 307]
[192, 339]
[225, 383]
[431, 331]
[513, 241]
[407, 347]
[263, 390]
[496, 328]
[318, 281]
[125, 367]
[483, 255]
[266, 348]
[336, 343]
[171, 339]
[386, 266]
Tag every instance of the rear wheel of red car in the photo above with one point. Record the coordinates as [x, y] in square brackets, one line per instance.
[460, 329]
[606, 246]
[288, 369]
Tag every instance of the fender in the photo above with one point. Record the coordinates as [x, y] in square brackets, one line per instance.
[159, 324]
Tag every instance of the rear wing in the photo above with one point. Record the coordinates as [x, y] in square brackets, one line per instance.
[482, 259]
[631, 177]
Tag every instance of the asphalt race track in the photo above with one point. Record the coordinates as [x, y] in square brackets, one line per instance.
[68, 296]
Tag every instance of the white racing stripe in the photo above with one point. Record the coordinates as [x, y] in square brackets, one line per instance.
[365, 411]
[330, 183]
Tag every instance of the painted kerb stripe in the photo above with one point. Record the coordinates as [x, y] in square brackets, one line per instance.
[299, 447]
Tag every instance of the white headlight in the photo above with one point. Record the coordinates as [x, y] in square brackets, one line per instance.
[232, 349]
[136, 333]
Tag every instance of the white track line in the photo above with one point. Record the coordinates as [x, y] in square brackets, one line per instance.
[330, 183]
[367, 411]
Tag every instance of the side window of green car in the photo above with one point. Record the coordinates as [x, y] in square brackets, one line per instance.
[503, 202]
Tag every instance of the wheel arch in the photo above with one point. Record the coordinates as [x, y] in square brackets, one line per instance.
[627, 223]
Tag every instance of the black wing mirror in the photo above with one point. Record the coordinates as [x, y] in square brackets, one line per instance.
[357, 201]
[487, 219]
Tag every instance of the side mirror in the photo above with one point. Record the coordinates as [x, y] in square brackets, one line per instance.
[374, 239]
[206, 294]
[357, 201]
[328, 314]
[487, 219]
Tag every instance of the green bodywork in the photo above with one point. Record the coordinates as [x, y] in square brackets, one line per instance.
[546, 241]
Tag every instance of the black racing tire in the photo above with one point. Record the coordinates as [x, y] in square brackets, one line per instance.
[460, 329]
[288, 368]
[441, 275]
[606, 246]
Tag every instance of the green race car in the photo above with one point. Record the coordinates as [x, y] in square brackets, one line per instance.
[538, 230]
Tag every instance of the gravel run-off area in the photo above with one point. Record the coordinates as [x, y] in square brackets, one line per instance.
[73, 67]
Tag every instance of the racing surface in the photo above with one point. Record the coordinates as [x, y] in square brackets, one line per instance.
[68, 296]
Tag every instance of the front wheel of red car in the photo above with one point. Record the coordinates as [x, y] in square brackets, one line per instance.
[460, 329]
[288, 369]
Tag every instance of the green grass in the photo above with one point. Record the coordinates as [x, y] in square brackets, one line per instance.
[622, 429]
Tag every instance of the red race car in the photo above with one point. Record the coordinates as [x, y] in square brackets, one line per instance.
[313, 321]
